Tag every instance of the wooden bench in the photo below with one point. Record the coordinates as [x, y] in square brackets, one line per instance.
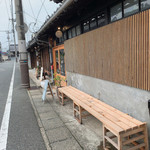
[119, 129]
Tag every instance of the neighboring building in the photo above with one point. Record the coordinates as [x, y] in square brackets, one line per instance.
[5, 56]
[12, 50]
[104, 51]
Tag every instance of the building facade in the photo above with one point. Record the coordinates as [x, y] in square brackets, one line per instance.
[12, 50]
[5, 56]
[104, 51]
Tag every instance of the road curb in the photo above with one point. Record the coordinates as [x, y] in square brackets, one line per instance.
[43, 133]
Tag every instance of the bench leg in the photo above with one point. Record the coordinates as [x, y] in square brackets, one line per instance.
[61, 98]
[77, 111]
[120, 142]
[80, 114]
[146, 138]
[138, 137]
[104, 134]
[59, 94]
[109, 139]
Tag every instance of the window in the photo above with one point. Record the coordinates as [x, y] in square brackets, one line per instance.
[130, 7]
[62, 62]
[73, 32]
[65, 36]
[60, 40]
[57, 61]
[93, 23]
[86, 26]
[145, 4]
[116, 12]
[101, 20]
[69, 34]
[78, 30]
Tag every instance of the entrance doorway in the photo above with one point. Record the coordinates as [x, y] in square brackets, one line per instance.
[59, 62]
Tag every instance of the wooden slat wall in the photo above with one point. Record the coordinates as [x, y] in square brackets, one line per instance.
[45, 59]
[33, 60]
[118, 52]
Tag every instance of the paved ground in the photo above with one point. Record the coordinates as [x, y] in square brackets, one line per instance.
[5, 77]
[35, 125]
[24, 132]
[62, 131]
[58, 126]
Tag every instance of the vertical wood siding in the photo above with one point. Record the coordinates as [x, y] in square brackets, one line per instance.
[33, 60]
[118, 52]
[45, 59]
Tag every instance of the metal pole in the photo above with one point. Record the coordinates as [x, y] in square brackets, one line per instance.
[13, 30]
[8, 43]
[22, 45]
[0, 53]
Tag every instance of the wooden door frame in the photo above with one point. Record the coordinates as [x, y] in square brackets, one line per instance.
[54, 59]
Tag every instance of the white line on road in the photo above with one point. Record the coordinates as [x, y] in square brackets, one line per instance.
[6, 116]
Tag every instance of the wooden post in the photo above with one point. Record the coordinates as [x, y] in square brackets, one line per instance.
[104, 134]
[62, 99]
[77, 112]
[80, 114]
[146, 138]
[119, 142]
[74, 110]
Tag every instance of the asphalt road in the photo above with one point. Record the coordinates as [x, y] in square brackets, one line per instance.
[5, 77]
[23, 131]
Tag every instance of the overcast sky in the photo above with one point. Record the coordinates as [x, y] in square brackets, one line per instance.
[34, 16]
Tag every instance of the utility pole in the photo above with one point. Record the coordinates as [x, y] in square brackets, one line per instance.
[13, 30]
[8, 38]
[0, 53]
[22, 44]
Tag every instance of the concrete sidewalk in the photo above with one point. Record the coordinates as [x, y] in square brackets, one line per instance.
[59, 129]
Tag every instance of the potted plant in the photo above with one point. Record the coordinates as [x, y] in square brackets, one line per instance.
[58, 79]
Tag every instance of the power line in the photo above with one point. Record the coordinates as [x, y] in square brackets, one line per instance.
[1, 1]
[31, 8]
[8, 25]
[31, 16]
[7, 9]
[45, 8]
[4, 42]
[40, 10]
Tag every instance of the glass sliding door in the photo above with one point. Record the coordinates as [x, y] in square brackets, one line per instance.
[59, 62]
[62, 62]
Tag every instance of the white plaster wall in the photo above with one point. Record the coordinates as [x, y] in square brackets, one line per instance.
[127, 99]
